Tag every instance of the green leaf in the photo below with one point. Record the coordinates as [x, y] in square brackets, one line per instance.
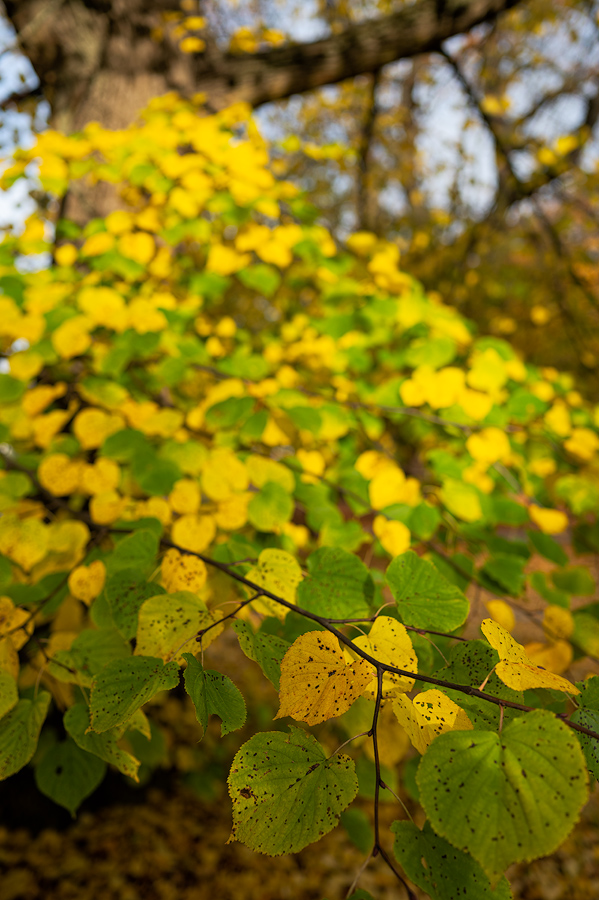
[125, 592]
[9, 695]
[338, 585]
[125, 445]
[19, 733]
[548, 547]
[345, 535]
[266, 649]
[539, 583]
[586, 633]
[229, 413]
[76, 723]
[424, 597]
[448, 873]
[576, 580]
[213, 694]
[150, 752]
[261, 277]
[424, 521]
[505, 797]
[359, 829]
[155, 476]
[11, 389]
[286, 793]
[506, 570]
[124, 685]
[67, 774]
[589, 718]
[270, 507]
[91, 650]
[137, 550]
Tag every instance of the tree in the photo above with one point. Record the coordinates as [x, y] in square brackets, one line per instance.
[215, 416]
[509, 239]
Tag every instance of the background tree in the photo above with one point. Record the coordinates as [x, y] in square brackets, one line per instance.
[478, 157]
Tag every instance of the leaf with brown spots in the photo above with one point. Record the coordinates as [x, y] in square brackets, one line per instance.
[515, 668]
[316, 682]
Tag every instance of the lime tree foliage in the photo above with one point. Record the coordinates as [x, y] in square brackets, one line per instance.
[215, 419]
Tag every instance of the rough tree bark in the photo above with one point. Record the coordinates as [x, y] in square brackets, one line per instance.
[96, 59]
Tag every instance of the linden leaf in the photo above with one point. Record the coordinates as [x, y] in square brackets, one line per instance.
[213, 694]
[439, 869]
[316, 682]
[431, 713]
[182, 572]
[505, 797]
[169, 621]
[76, 723]
[286, 793]
[19, 733]
[87, 582]
[515, 668]
[67, 774]
[123, 686]
[280, 573]
[424, 597]
[389, 642]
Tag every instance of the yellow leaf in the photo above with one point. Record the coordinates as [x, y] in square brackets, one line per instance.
[25, 542]
[430, 714]
[462, 500]
[313, 464]
[515, 668]
[193, 532]
[489, 445]
[394, 536]
[102, 477]
[68, 536]
[107, 507]
[583, 443]
[557, 622]
[550, 521]
[9, 657]
[223, 475]
[26, 365]
[232, 513]
[168, 623]
[87, 582]
[388, 641]
[38, 398]
[261, 469]
[104, 306]
[501, 612]
[139, 247]
[393, 741]
[225, 260]
[14, 622]
[60, 474]
[279, 573]
[92, 426]
[316, 682]
[556, 656]
[182, 572]
[185, 496]
[387, 487]
[72, 338]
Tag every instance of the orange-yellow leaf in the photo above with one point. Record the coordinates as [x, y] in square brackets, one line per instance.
[182, 572]
[316, 682]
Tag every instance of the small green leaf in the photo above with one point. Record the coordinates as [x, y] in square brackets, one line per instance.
[267, 650]
[270, 507]
[424, 597]
[125, 592]
[124, 685]
[76, 723]
[589, 718]
[359, 829]
[338, 585]
[92, 649]
[67, 774]
[505, 797]
[506, 570]
[9, 695]
[214, 694]
[137, 550]
[575, 580]
[448, 873]
[548, 547]
[19, 733]
[286, 793]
